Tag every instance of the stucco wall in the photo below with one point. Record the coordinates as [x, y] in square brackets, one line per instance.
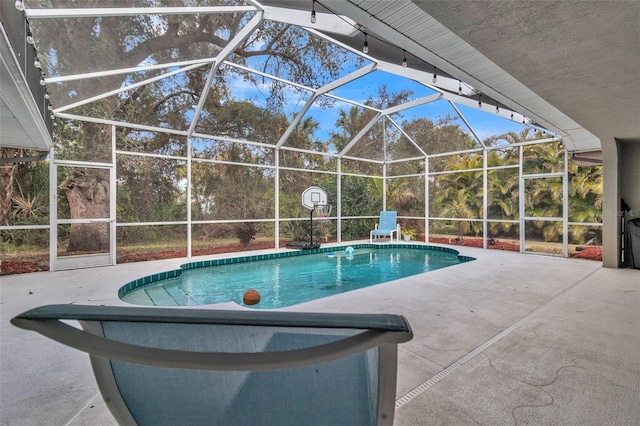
[630, 175]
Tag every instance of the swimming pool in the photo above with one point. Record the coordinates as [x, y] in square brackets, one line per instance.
[287, 278]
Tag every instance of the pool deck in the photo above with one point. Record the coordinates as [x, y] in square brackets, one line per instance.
[505, 339]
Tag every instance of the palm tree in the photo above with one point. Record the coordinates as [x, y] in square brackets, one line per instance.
[400, 195]
[459, 207]
[585, 198]
[459, 194]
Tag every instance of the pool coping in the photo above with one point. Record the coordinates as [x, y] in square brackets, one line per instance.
[161, 276]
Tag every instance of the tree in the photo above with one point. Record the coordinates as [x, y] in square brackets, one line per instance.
[443, 135]
[87, 190]
[503, 190]
[458, 194]
[400, 195]
[24, 198]
[7, 174]
[109, 43]
[370, 146]
[359, 198]
[585, 200]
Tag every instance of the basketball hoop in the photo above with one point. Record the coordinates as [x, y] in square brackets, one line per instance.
[323, 211]
[314, 198]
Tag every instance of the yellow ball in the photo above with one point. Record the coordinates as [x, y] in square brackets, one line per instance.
[251, 297]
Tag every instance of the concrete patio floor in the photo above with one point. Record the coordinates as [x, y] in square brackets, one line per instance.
[505, 339]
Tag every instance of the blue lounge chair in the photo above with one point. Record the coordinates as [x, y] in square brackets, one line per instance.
[167, 366]
[387, 225]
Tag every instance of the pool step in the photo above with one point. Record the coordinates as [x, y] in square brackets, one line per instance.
[160, 297]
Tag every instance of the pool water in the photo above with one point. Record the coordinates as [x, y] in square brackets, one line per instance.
[287, 281]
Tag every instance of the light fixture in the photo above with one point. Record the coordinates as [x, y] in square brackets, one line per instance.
[37, 63]
[46, 95]
[365, 47]
[404, 58]
[480, 101]
[19, 5]
[459, 88]
[512, 115]
[42, 82]
[435, 75]
[561, 145]
[497, 107]
[30, 38]
[50, 108]
[313, 11]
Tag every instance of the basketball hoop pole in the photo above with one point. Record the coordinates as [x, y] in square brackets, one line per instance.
[313, 197]
[311, 226]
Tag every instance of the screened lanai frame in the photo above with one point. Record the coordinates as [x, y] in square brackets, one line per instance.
[445, 89]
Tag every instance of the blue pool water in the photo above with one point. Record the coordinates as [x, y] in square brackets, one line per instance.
[290, 280]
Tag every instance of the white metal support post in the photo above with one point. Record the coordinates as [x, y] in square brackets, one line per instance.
[189, 224]
[384, 166]
[53, 210]
[485, 198]
[426, 198]
[276, 198]
[339, 201]
[521, 200]
[565, 207]
[113, 187]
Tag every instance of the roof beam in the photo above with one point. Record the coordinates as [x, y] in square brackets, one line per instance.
[98, 74]
[326, 22]
[131, 11]
[462, 117]
[503, 112]
[412, 104]
[123, 89]
[121, 124]
[442, 82]
[346, 79]
[295, 121]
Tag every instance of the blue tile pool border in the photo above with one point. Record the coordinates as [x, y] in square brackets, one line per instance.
[161, 276]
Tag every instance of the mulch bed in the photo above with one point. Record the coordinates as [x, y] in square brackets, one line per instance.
[11, 267]
[590, 253]
[477, 242]
[40, 262]
[586, 252]
[128, 257]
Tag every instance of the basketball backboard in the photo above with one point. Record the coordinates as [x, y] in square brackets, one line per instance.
[312, 196]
